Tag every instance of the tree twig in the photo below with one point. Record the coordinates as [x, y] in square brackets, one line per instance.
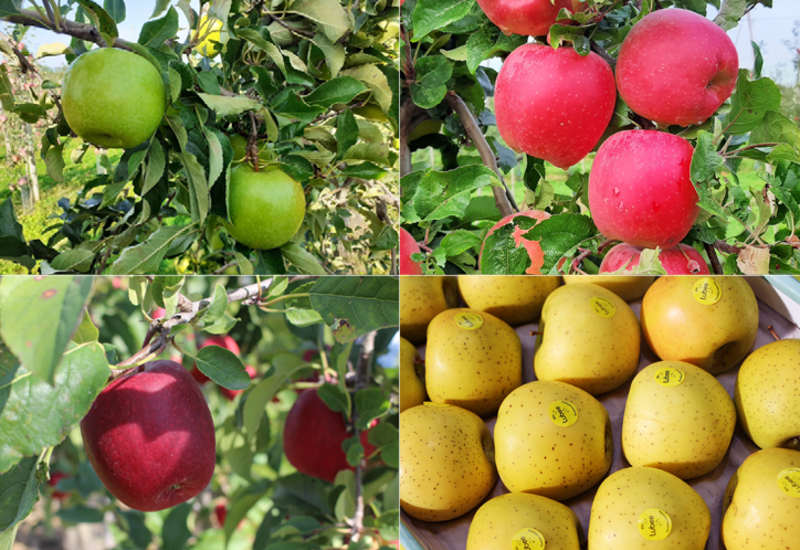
[362, 382]
[82, 31]
[596, 48]
[502, 197]
[713, 258]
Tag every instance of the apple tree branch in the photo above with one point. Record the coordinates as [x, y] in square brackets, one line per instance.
[82, 31]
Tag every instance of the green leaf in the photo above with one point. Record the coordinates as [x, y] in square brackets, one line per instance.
[488, 41]
[758, 64]
[330, 14]
[304, 261]
[223, 366]
[439, 195]
[730, 14]
[339, 90]
[54, 161]
[54, 302]
[228, 106]
[20, 490]
[175, 531]
[334, 53]
[502, 254]
[156, 163]
[370, 403]
[145, 257]
[776, 128]
[195, 174]
[433, 73]
[459, 241]
[354, 306]
[6, 90]
[292, 106]
[346, 132]
[365, 171]
[335, 398]
[36, 414]
[559, 236]
[80, 513]
[12, 240]
[284, 365]
[705, 160]
[155, 33]
[86, 332]
[431, 16]
[752, 100]
[102, 20]
[116, 9]
[374, 79]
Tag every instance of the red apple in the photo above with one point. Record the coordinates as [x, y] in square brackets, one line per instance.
[531, 17]
[221, 512]
[313, 437]
[55, 477]
[408, 246]
[640, 191]
[678, 260]
[222, 341]
[676, 67]
[150, 438]
[534, 249]
[230, 395]
[554, 104]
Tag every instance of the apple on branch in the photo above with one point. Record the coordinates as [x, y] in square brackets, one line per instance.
[408, 246]
[678, 260]
[527, 17]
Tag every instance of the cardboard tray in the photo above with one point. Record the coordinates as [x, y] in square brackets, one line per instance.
[779, 306]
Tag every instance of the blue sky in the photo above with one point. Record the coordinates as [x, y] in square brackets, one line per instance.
[770, 28]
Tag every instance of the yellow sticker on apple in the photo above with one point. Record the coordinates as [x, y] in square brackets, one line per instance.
[602, 307]
[469, 321]
[789, 482]
[655, 524]
[707, 291]
[563, 413]
[528, 539]
[669, 376]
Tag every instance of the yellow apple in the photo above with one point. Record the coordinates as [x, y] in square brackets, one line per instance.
[707, 321]
[552, 439]
[647, 509]
[590, 339]
[515, 300]
[446, 461]
[509, 521]
[627, 287]
[472, 359]
[767, 395]
[412, 376]
[678, 418]
[422, 299]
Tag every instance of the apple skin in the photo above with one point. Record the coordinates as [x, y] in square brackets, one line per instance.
[313, 437]
[640, 189]
[224, 341]
[676, 67]
[534, 249]
[678, 260]
[526, 17]
[150, 438]
[221, 511]
[408, 246]
[230, 395]
[113, 98]
[554, 104]
[266, 208]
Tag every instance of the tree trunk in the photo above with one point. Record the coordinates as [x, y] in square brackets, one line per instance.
[30, 153]
[27, 196]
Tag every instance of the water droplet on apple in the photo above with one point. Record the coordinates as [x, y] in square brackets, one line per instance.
[620, 206]
[616, 191]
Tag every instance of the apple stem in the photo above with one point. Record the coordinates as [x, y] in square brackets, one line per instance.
[774, 334]
[419, 361]
[536, 333]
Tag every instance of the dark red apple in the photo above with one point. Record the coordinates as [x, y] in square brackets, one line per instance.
[222, 341]
[676, 67]
[534, 249]
[526, 17]
[55, 477]
[640, 190]
[313, 437]
[408, 246]
[221, 511]
[150, 438]
[678, 260]
[230, 395]
[554, 104]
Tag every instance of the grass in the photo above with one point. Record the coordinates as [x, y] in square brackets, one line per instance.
[35, 224]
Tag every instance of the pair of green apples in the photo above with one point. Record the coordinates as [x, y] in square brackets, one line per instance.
[117, 99]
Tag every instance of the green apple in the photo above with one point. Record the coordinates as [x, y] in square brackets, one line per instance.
[422, 299]
[647, 508]
[472, 359]
[761, 506]
[515, 300]
[552, 439]
[509, 521]
[412, 376]
[767, 395]
[113, 98]
[678, 418]
[627, 287]
[708, 321]
[446, 461]
[590, 339]
[266, 208]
